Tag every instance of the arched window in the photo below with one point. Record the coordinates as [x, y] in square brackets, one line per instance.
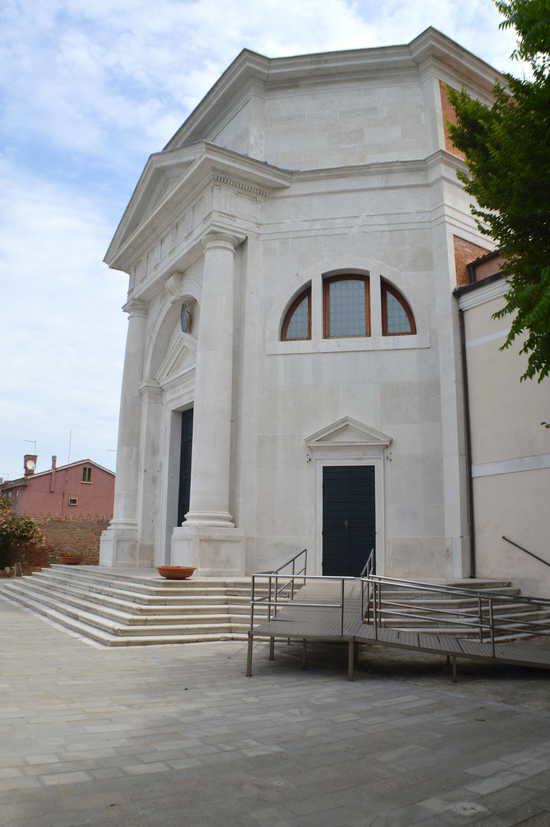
[346, 306]
[397, 316]
[297, 321]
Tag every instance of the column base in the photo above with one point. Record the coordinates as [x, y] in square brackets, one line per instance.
[214, 550]
[209, 519]
[119, 546]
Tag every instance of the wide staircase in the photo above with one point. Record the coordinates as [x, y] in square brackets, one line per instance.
[125, 609]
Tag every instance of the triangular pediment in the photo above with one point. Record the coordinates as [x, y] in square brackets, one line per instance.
[348, 432]
[180, 356]
[159, 179]
[171, 177]
[159, 187]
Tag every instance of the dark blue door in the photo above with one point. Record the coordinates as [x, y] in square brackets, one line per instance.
[185, 464]
[349, 518]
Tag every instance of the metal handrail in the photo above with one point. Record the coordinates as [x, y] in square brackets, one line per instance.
[271, 600]
[487, 625]
[278, 590]
[284, 565]
[434, 587]
[368, 568]
[367, 571]
[526, 550]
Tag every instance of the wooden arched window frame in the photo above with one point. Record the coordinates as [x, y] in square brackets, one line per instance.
[390, 293]
[301, 304]
[361, 325]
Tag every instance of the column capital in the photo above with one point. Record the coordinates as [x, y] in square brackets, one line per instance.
[221, 238]
[135, 307]
[150, 388]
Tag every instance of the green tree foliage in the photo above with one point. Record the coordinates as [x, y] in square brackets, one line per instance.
[507, 149]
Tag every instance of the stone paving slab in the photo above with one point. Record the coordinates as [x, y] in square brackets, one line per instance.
[178, 736]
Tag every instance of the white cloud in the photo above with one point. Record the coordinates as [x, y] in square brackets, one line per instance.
[63, 330]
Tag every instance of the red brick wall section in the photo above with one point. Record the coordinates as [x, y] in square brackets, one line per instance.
[449, 116]
[79, 535]
[465, 253]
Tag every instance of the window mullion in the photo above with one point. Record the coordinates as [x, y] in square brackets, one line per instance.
[375, 305]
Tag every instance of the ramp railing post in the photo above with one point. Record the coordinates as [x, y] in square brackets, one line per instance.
[269, 602]
[249, 654]
[252, 600]
[492, 625]
[343, 583]
[375, 608]
[480, 607]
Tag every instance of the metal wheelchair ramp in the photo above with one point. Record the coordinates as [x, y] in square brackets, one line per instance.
[477, 624]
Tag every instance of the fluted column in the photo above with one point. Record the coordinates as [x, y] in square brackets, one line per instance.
[210, 470]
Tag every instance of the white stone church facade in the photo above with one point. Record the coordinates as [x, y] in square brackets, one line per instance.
[292, 370]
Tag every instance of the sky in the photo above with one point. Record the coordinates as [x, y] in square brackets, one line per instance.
[88, 89]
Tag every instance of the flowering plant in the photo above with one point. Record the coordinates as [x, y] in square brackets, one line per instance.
[17, 535]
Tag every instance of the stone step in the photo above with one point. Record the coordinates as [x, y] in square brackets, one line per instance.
[150, 598]
[129, 618]
[191, 606]
[153, 579]
[117, 628]
[185, 587]
[104, 638]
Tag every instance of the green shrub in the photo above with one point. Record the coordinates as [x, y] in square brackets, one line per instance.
[18, 535]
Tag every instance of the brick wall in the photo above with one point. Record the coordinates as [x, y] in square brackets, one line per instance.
[449, 116]
[80, 535]
[465, 252]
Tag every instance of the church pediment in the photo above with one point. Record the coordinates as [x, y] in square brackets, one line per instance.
[348, 432]
[179, 357]
[169, 181]
[160, 185]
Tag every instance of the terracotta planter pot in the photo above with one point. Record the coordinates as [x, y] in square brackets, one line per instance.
[176, 572]
[71, 559]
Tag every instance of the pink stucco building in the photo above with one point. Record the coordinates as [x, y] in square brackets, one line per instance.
[79, 489]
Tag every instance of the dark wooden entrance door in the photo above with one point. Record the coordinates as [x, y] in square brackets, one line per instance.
[185, 464]
[349, 518]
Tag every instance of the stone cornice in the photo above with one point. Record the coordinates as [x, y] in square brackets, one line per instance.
[189, 189]
[261, 193]
[251, 67]
[439, 157]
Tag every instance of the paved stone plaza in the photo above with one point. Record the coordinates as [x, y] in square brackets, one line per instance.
[178, 736]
